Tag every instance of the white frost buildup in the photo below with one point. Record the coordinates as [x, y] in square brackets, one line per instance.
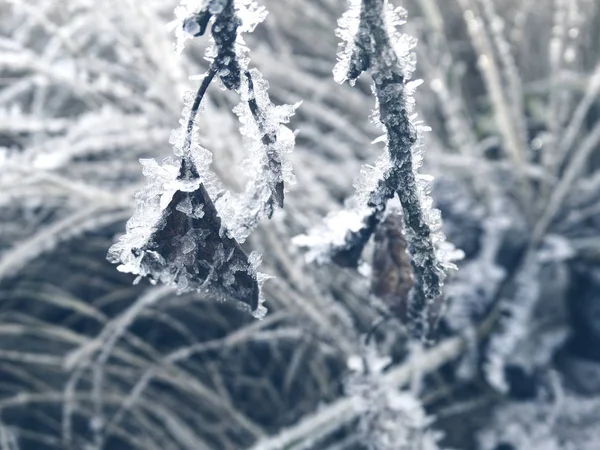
[175, 237]
[268, 141]
[322, 240]
[184, 10]
[389, 419]
[348, 26]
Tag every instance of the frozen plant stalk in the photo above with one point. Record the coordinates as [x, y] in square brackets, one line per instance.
[178, 235]
[371, 43]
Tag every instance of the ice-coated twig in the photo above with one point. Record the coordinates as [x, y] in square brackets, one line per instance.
[230, 18]
[179, 235]
[187, 145]
[267, 140]
[371, 43]
[262, 122]
[517, 310]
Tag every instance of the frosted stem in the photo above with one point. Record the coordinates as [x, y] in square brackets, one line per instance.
[268, 138]
[188, 170]
[196, 106]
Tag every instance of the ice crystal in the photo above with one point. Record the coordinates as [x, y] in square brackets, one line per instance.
[250, 13]
[185, 30]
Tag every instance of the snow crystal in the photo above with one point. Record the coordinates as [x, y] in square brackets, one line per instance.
[183, 11]
[188, 243]
[250, 13]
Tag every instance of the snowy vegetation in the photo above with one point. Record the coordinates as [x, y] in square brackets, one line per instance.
[354, 302]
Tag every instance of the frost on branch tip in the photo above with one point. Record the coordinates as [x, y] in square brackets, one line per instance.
[353, 58]
[372, 43]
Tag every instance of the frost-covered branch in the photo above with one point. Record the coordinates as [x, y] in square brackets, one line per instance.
[187, 229]
[371, 43]
[268, 141]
